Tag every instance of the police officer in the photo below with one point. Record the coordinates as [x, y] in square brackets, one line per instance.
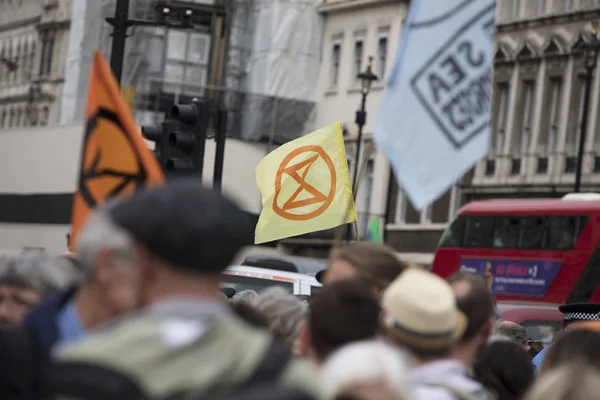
[571, 313]
[184, 338]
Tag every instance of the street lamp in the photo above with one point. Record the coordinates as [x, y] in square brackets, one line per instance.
[589, 46]
[367, 77]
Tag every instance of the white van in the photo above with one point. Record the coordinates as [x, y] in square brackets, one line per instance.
[241, 277]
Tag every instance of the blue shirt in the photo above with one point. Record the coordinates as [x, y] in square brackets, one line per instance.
[539, 358]
[69, 325]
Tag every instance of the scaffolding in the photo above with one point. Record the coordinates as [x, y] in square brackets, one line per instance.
[267, 85]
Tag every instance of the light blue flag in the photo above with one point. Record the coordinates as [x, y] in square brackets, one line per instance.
[434, 120]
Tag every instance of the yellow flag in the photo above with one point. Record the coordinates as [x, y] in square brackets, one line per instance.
[305, 186]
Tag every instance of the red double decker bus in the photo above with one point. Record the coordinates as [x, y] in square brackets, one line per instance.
[527, 250]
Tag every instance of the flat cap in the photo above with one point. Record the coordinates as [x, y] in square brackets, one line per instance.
[189, 226]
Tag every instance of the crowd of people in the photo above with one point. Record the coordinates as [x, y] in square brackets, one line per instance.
[138, 313]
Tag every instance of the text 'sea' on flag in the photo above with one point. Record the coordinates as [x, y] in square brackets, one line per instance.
[115, 161]
[434, 120]
[305, 186]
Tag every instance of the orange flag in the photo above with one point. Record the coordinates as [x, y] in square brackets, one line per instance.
[115, 161]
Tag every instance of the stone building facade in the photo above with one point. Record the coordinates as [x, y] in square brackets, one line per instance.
[33, 39]
[537, 110]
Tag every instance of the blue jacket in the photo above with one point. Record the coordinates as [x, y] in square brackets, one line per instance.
[41, 324]
[539, 358]
[42, 321]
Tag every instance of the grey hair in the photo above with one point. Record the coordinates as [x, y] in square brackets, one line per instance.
[249, 296]
[512, 330]
[37, 270]
[284, 311]
[101, 233]
[498, 337]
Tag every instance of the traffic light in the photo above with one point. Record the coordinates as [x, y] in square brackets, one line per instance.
[180, 140]
[185, 138]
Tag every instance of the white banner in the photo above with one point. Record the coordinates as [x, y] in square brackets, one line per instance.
[434, 121]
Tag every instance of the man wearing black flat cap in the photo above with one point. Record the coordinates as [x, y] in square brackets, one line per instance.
[185, 338]
[571, 313]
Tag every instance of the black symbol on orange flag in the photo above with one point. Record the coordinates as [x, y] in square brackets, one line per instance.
[293, 171]
[111, 166]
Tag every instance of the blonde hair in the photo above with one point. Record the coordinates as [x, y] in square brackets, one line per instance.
[567, 382]
[362, 362]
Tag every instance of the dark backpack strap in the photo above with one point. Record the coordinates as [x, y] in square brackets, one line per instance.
[86, 381]
[272, 365]
[19, 361]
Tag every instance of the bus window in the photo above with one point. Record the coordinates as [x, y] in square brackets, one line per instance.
[532, 234]
[564, 231]
[506, 233]
[479, 232]
[453, 235]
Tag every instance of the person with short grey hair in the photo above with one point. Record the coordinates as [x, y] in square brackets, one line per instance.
[249, 296]
[512, 330]
[284, 311]
[27, 277]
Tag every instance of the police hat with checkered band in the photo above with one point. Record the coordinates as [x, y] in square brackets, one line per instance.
[579, 312]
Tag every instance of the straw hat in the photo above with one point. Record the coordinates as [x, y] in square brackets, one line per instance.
[421, 312]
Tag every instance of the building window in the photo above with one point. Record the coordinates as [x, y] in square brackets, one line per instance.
[30, 67]
[187, 61]
[19, 117]
[46, 55]
[382, 53]
[336, 53]
[359, 44]
[575, 116]
[490, 167]
[24, 62]
[45, 115]
[556, 85]
[501, 118]
[541, 7]
[3, 69]
[11, 118]
[527, 113]
[514, 10]
[15, 75]
[551, 114]
[3, 119]
[567, 5]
